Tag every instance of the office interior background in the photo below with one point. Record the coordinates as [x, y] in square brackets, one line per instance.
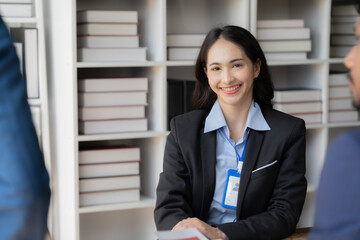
[163, 37]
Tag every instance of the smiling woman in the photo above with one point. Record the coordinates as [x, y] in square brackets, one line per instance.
[231, 76]
[234, 167]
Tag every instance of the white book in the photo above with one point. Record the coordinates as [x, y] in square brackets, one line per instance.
[113, 84]
[286, 46]
[107, 16]
[344, 10]
[109, 169]
[29, 37]
[344, 19]
[113, 126]
[281, 23]
[339, 51]
[36, 118]
[343, 116]
[107, 29]
[278, 56]
[108, 41]
[282, 33]
[16, 1]
[339, 92]
[112, 99]
[310, 118]
[338, 79]
[16, 10]
[296, 95]
[183, 53]
[115, 112]
[300, 107]
[19, 47]
[108, 183]
[343, 40]
[342, 28]
[185, 40]
[111, 54]
[341, 104]
[122, 153]
[109, 197]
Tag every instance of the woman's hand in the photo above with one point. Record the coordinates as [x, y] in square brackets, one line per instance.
[209, 231]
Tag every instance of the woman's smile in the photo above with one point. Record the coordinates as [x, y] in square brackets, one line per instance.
[232, 89]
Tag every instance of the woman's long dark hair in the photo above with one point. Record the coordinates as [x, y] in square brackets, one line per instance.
[204, 97]
[357, 5]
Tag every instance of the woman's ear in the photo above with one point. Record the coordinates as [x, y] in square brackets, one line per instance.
[257, 68]
[205, 71]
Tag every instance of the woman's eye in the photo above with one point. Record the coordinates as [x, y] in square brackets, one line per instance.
[237, 65]
[215, 69]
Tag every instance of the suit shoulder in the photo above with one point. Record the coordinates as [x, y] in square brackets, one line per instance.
[191, 117]
[193, 120]
[277, 119]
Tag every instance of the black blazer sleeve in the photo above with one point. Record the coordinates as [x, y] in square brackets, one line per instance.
[174, 188]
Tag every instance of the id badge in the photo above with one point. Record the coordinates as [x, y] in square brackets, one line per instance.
[231, 189]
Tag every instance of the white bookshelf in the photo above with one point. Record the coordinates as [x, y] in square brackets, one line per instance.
[157, 18]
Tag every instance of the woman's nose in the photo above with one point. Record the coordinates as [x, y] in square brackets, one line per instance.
[227, 78]
[349, 60]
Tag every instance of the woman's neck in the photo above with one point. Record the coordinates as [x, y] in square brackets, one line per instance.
[236, 117]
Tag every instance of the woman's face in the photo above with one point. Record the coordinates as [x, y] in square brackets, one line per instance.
[230, 73]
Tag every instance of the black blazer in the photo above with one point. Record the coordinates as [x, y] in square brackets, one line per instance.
[269, 200]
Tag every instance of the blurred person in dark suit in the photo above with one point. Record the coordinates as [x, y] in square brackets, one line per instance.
[24, 181]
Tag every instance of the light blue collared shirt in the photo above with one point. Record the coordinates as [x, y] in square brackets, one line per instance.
[226, 155]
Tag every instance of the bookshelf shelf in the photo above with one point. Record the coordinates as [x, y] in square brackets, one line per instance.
[336, 60]
[21, 21]
[180, 63]
[343, 124]
[118, 64]
[296, 62]
[157, 19]
[315, 126]
[145, 202]
[35, 102]
[133, 135]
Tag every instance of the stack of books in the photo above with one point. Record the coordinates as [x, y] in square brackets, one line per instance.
[184, 46]
[109, 175]
[341, 108]
[284, 39]
[343, 38]
[112, 105]
[302, 103]
[16, 8]
[108, 35]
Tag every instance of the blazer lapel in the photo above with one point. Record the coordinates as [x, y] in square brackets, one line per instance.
[208, 160]
[251, 156]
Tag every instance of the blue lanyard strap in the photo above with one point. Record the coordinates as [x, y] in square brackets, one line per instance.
[238, 157]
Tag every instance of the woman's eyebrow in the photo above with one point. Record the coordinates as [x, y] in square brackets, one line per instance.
[231, 61]
[236, 59]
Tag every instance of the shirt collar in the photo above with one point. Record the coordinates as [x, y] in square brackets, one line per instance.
[215, 119]
[255, 119]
